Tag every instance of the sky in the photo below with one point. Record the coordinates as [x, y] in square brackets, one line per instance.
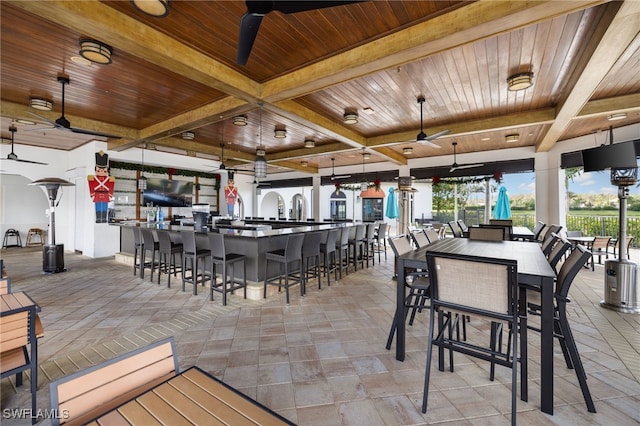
[586, 183]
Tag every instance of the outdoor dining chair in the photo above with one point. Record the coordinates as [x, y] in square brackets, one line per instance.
[481, 287]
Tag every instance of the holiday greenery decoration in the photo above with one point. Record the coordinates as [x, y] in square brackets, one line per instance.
[497, 176]
[170, 171]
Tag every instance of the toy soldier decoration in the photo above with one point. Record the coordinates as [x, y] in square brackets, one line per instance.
[101, 187]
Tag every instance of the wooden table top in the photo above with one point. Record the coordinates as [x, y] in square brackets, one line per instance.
[192, 397]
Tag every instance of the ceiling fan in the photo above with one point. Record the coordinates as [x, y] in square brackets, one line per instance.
[64, 124]
[455, 165]
[333, 171]
[12, 156]
[256, 10]
[422, 136]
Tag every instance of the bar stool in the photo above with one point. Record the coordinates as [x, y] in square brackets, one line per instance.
[311, 251]
[356, 241]
[35, 233]
[328, 250]
[149, 243]
[285, 257]
[342, 246]
[369, 242]
[11, 233]
[167, 257]
[381, 240]
[193, 254]
[219, 256]
[137, 251]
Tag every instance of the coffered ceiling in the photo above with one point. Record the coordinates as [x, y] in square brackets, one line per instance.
[179, 73]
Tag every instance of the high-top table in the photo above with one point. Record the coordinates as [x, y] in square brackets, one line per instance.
[533, 269]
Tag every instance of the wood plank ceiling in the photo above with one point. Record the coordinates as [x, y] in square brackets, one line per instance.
[306, 69]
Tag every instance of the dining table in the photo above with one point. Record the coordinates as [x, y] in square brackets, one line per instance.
[533, 269]
[192, 397]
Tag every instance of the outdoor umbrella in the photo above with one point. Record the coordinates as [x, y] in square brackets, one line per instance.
[502, 210]
[392, 205]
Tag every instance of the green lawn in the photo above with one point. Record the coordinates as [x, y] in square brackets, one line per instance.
[582, 212]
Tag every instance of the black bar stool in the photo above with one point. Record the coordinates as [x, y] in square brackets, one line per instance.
[291, 254]
[149, 243]
[193, 254]
[137, 251]
[219, 256]
[356, 241]
[328, 250]
[311, 252]
[167, 257]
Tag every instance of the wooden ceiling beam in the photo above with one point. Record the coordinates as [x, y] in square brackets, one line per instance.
[600, 107]
[465, 25]
[615, 31]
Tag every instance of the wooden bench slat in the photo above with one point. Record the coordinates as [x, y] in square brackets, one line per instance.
[232, 399]
[212, 403]
[135, 415]
[113, 418]
[12, 359]
[161, 411]
[187, 407]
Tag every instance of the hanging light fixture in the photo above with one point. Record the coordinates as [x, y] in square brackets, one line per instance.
[364, 185]
[157, 8]
[41, 103]
[95, 51]
[260, 163]
[240, 120]
[350, 117]
[142, 181]
[520, 81]
[280, 133]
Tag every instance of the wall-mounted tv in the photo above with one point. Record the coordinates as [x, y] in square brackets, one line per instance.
[168, 193]
[617, 156]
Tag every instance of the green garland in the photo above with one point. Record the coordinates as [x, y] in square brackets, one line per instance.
[165, 170]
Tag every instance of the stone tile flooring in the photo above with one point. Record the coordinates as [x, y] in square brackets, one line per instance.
[322, 359]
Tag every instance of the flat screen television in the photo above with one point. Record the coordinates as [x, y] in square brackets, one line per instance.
[617, 156]
[168, 193]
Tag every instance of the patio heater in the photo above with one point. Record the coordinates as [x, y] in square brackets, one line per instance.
[621, 275]
[405, 201]
[52, 253]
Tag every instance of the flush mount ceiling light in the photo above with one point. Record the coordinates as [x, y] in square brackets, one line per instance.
[407, 151]
[304, 163]
[520, 81]
[188, 136]
[240, 120]
[95, 51]
[350, 117]
[309, 143]
[280, 133]
[514, 137]
[157, 8]
[366, 156]
[617, 116]
[41, 104]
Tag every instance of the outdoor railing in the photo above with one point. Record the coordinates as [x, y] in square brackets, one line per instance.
[588, 225]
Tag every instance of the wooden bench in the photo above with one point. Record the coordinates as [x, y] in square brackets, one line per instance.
[87, 394]
[17, 334]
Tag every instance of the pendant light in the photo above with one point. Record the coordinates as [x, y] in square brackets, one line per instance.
[260, 163]
[142, 181]
[364, 185]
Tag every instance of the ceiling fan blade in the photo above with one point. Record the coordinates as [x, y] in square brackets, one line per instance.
[334, 177]
[455, 167]
[92, 133]
[437, 135]
[249, 25]
[31, 161]
[303, 6]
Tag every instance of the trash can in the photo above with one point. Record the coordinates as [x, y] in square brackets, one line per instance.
[621, 286]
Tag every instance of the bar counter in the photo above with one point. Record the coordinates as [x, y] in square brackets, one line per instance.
[253, 243]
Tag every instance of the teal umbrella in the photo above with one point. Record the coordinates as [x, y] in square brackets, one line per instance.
[392, 205]
[502, 210]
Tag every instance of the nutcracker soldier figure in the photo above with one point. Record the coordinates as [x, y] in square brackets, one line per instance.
[230, 196]
[101, 187]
